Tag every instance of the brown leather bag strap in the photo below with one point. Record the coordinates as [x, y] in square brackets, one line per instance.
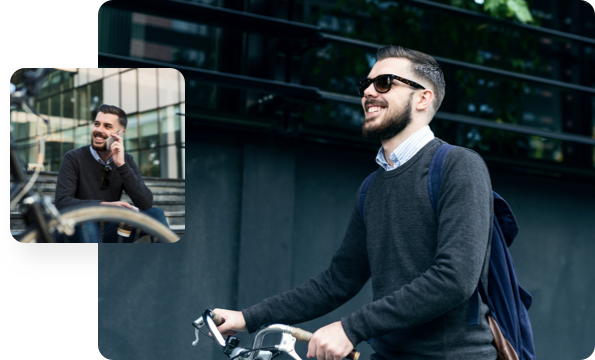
[505, 350]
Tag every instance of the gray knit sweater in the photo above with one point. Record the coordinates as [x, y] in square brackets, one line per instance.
[79, 181]
[424, 267]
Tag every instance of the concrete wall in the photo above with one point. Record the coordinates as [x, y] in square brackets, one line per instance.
[265, 216]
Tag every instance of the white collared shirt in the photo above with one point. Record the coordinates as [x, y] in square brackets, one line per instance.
[407, 149]
[96, 156]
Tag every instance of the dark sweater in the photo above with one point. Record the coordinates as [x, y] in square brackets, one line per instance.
[79, 181]
[424, 267]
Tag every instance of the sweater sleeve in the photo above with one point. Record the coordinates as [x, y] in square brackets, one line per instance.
[133, 184]
[347, 274]
[464, 230]
[67, 183]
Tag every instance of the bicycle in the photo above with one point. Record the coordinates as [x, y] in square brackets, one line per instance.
[44, 222]
[231, 348]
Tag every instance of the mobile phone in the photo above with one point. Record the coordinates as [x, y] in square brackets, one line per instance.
[112, 139]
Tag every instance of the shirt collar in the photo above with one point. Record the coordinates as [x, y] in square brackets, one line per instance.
[96, 156]
[407, 149]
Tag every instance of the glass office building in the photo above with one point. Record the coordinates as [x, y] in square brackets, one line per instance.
[499, 96]
[154, 100]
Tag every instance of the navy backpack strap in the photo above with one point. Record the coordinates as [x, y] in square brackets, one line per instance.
[364, 191]
[435, 173]
[434, 182]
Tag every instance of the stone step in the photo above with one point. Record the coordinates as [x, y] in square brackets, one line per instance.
[161, 186]
[178, 195]
[170, 205]
[51, 177]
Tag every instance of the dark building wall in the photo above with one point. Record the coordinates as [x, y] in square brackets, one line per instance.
[266, 215]
[553, 256]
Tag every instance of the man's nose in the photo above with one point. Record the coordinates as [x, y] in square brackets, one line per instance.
[370, 91]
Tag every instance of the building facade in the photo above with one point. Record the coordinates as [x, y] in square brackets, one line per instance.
[276, 154]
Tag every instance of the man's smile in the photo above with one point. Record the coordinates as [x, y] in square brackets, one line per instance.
[374, 110]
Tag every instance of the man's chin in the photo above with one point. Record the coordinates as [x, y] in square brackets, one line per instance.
[99, 147]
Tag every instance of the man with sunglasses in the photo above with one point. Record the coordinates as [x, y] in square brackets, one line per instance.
[96, 175]
[424, 266]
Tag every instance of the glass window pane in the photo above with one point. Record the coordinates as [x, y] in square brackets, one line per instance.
[55, 105]
[56, 126]
[171, 166]
[149, 144]
[170, 125]
[149, 163]
[68, 104]
[44, 91]
[44, 106]
[68, 123]
[67, 140]
[110, 71]
[96, 97]
[82, 135]
[169, 89]
[82, 105]
[52, 156]
[55, 80]
[83, 76]
[129, 103]
[95, 74]
[147, 87]
[170, 140]
[135, 157]
[111, 91]
[67, 80]
[131, 134]
[18, 120]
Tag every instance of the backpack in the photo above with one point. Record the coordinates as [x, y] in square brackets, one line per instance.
[508, 302]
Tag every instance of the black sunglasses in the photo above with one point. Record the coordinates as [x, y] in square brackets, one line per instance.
[382, 83]
[104, 178]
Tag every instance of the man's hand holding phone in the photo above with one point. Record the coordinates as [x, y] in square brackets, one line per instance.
[116, 145]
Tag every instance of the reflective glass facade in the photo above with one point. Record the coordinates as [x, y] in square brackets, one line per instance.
[539, 90]
[153, 99]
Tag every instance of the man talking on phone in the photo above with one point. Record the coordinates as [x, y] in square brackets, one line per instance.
[97, 175]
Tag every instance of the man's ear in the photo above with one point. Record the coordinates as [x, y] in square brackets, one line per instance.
[425, 98]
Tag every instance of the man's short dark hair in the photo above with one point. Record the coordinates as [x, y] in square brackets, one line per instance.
[111, 109]
[423, 65]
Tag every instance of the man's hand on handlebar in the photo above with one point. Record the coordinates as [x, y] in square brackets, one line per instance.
[234, 321]
[330, 343]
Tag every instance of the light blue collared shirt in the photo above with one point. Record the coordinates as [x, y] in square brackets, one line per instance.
[96, 156]
[407, 149]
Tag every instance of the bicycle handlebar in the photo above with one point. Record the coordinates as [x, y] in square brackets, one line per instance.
[300, 334]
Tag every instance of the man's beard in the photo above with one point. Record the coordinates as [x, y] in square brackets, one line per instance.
[391, 125]
[98, 148]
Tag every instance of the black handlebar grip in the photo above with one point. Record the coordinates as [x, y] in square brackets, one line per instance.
[305, 336]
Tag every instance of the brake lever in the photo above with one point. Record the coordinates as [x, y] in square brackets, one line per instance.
[288, 345]
[198, 323]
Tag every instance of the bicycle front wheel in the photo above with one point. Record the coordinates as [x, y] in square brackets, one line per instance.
[109, 214]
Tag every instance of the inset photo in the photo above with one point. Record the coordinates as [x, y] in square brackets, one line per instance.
[97, 155]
